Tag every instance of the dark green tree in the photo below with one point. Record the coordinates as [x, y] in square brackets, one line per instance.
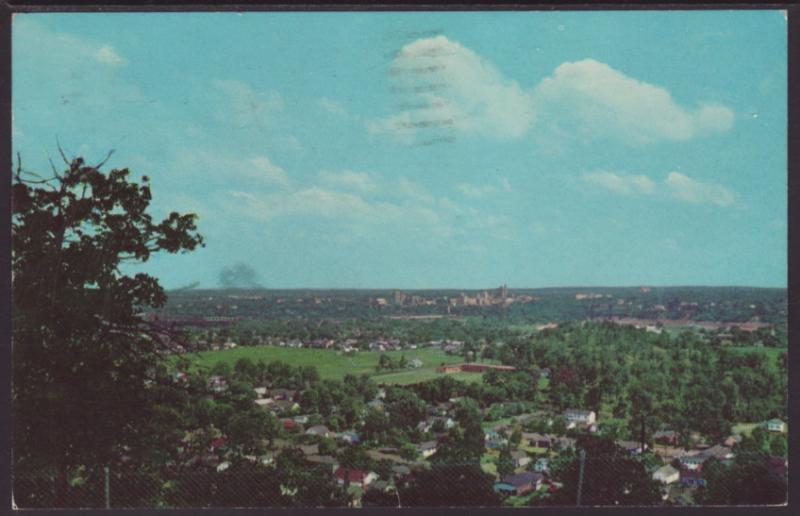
[84, 363]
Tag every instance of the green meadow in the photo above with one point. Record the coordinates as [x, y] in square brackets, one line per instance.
[334, 365]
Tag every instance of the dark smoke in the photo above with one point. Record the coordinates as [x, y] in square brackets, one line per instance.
[239, 275]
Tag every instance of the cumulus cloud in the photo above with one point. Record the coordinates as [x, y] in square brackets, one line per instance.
[687, 189]
[444, 86]
[400, 207]
[471, 190]
[107, 55]
[350, 180]
[599, 101]
[620, 183]
[266, 169]
[676, 186]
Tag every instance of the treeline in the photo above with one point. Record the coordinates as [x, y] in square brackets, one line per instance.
[684, 382]
[738, 304]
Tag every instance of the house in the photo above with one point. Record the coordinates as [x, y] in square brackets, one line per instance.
[537, 440]
[260, 391]
[349, 437]
[354, 477]
[415, 364]
[670, 437]
[732, 440]
[496, 444]
[285, 406]
[302, 419]
[519, 483]
[218, 444]
[542, 465]
[264, 402]
[666, 474]
[563, 442]
[692, 477]
[309, 449]
[692, 461]
[320, 430]
[400, 470]
[283, 394]
[427, 448]
[520, 458]
[452, 368]
[719, 452]
[775, 425]
[288, 424]
[576, 417]
[632, 446]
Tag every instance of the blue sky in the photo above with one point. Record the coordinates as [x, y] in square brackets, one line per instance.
[432, 150]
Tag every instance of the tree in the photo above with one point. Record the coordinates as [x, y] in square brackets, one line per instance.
[505, 463]
[444, 485]
[84, 363]
[610, 477]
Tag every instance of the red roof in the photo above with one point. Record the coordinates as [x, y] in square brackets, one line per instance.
[288, 424]
[354, 475]
[216, 443]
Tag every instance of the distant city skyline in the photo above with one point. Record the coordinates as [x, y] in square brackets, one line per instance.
[431, 150]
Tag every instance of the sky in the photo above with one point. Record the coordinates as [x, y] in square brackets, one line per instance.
[431, 150]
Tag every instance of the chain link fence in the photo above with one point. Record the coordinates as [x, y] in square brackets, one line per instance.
[571, 479]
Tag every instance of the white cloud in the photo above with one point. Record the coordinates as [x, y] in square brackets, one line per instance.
[351, 180]
[470, 190]
[265, 169]
[687, 189]
[397, 207]
[331, 106]
[620, 183]
[676, 186]
[247, 106]
[442, 86]
[445, 86]
[107, 55]
[599, 101]
[410, 189]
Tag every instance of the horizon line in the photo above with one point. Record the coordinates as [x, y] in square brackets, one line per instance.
[564, 287]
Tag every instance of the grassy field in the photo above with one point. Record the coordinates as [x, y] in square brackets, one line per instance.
[772, 353]
[334, 365]
[744, 428]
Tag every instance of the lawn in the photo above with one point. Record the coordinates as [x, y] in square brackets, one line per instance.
[334, 365]
[744, 428]
[772, 353]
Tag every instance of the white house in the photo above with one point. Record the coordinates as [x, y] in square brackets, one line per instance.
[666, 474]
[520, 458]
[579, 417]
[427, 448]
[775, 425]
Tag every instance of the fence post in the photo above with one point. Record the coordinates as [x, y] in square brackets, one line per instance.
[582, 456]
[107, 487]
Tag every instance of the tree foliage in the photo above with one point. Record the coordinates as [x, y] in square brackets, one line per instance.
[86, 369]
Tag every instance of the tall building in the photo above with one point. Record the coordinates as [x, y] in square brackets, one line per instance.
[502, 292]
[399, 297]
